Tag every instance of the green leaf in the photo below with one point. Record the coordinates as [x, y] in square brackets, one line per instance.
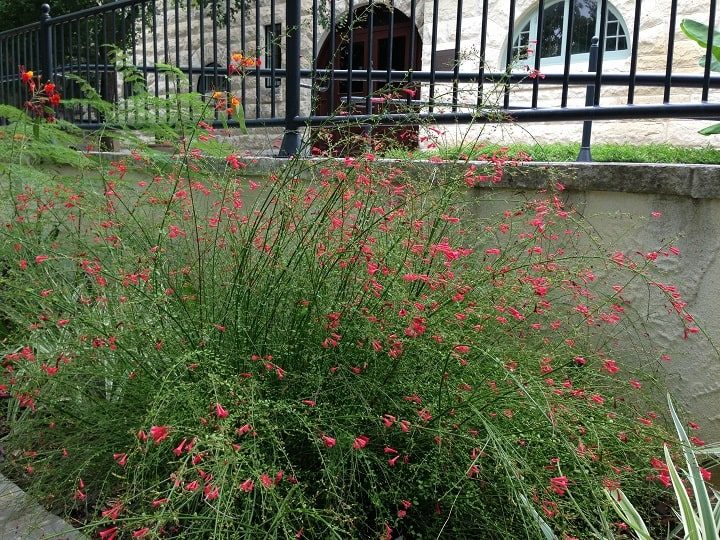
[628, 513]
[698, 32]
[544, 527]
[26, 173]
[13, 114]
[702, 497]
[240, 117]
[687, 515]
[714, 63]
[710, 130]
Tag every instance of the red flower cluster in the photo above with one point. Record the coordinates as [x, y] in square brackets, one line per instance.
[43, 97]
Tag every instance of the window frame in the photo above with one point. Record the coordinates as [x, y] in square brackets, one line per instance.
[531, 19]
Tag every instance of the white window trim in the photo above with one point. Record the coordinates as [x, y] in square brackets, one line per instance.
[532, 18]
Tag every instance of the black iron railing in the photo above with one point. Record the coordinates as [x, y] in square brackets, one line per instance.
[390, 63]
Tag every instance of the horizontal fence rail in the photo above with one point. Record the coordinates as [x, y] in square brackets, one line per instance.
[329, 64]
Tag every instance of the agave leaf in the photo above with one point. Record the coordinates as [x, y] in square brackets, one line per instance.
[544, 527]
[628, 513]
[702, 498]
[714, 63]
[698, 32]
[710, 130]
[690, 521]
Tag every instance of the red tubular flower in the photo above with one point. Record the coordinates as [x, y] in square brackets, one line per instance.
[220, 411]
[211, 492]
[180, 447]
[108, 534]
[159, 433]
[328, 441]
[247, 486]
[267, 482]
[559, 484]
[361, 442]
[113, 512]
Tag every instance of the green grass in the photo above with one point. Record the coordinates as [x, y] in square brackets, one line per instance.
[647, 153]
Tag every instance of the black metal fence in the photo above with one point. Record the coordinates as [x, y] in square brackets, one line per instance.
[390, 63]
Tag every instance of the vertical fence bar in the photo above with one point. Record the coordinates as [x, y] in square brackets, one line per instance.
[133, 16]
[155, 60]
[3, 97]
[391, 39]
[508, 54]
[351, 25]
[291, 138]
[69, 53]
[634, 53]
[369, 63]
[269, 49]
[166, 53]
[708, 52]
[18, 84]
[257, 73]
[243, 87]
[123, 44]
[188, 22]
[413, 14]
[568, 54]
[228, 52]
[144, 52]
[313, 76]
[332, 53]
[483, 45]
[584, 154]
[601, 51]
[215, 46]
[433, 50]
[456, 54]
[201, 18]
[670, 51]
[538, 52]
[46, 42]
[177, 36]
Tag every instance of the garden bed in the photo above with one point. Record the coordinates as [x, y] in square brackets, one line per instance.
[339, 348]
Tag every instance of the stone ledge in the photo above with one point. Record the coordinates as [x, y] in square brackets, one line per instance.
[683, 180]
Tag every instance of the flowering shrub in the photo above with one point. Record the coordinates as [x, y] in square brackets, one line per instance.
[341, 349]
[43, 98]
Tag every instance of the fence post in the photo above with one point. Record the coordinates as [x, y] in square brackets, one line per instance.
[46, 43]
[291, 138]
[584, 154]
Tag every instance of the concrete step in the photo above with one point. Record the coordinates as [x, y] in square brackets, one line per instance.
[21, 518]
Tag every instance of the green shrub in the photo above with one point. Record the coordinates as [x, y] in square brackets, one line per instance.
[341, 349]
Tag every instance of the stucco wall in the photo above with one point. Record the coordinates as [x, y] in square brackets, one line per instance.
[618, 201]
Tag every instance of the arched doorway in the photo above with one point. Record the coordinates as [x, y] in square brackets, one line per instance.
[379, 38]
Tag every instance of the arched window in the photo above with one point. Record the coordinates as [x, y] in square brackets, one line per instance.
[553, 38]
